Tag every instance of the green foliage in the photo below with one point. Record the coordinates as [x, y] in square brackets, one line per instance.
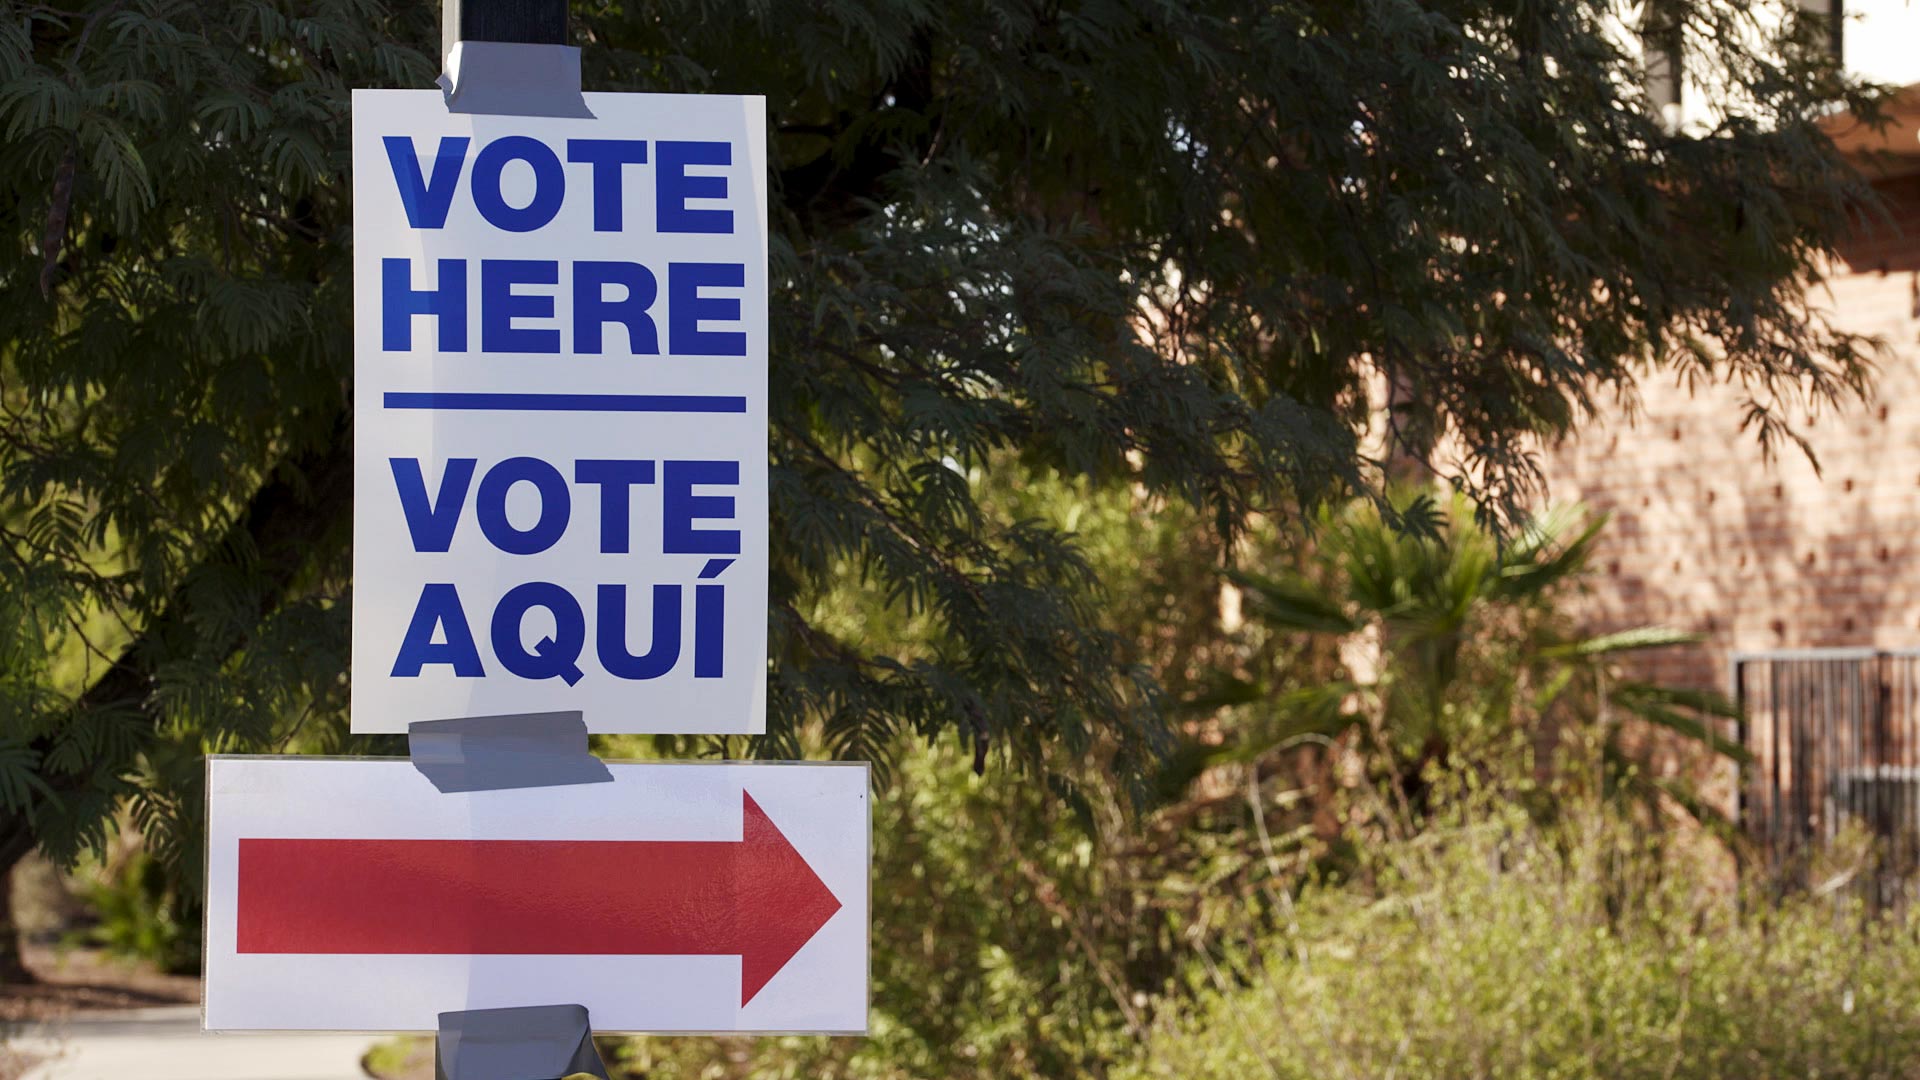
[142, 914]
[174, 349]
[1455, 646]
[1489, 947]
[393, 1057]
[1165, 247]
[1000, 931]
[1026, 933]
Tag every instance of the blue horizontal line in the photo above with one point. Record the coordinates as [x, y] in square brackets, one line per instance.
[661, 403]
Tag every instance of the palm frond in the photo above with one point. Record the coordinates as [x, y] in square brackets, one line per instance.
[1538, 534]
[1640, 637]
[1556, 685]
[1691, 727]
[1709, 702]
[1702, 810]
[1294, 605]
[1533, 574]
[1224, 693]
[1297, 714]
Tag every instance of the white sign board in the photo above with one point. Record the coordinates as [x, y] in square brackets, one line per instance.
[349, 894]
[560, 459]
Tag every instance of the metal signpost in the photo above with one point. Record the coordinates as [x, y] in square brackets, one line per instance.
[560, 527]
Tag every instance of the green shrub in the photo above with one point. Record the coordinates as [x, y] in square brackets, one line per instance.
[1496, 949]
[142, 914]
[1003, 946]
[1454, 647]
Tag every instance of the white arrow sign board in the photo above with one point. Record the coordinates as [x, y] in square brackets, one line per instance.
[348, 894]
[560, 460]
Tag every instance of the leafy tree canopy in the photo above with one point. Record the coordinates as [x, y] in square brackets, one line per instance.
[1175, 246]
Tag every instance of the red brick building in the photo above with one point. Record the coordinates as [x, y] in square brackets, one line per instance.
[1805, 582]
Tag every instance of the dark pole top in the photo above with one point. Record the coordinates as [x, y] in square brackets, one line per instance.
[528, 22]
[516, 61]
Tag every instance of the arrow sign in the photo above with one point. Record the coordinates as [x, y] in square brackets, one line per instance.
[755, 898]
[349, 894]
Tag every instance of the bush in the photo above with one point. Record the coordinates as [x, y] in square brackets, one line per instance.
[1000, 946]
[1455, 646]
[143, 915]
[1493, 948]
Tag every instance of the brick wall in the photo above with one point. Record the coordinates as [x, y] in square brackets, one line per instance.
[1707, 536]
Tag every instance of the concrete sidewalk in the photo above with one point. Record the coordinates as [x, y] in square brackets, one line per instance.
[167, 1044]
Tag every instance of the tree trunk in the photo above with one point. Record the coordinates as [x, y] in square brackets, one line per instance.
[13, 970]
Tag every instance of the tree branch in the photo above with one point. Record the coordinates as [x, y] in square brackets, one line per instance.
[284, 527]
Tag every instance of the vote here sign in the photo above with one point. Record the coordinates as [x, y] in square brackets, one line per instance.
[349, 894]
[560, 363]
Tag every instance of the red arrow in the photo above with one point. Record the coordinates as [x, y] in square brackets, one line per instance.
[755, 898]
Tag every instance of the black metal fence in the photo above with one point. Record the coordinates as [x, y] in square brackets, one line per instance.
[1835, 735]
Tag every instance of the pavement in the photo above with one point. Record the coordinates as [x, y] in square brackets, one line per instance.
[167, 1044]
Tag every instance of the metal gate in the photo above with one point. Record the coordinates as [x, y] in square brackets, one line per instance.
[1835, 737]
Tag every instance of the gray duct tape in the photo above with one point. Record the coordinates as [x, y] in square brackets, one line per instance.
[538, 1042]
[509, 78]
[518, 750]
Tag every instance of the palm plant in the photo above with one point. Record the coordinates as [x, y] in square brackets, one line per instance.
[1445, 644]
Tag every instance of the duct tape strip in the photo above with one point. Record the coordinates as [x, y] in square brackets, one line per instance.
[518, 750]
[537, 1042]
[509, 78]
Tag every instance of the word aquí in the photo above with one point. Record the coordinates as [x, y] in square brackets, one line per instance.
[440, 633]
[601, 293]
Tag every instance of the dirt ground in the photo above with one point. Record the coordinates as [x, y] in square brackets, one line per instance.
[75, 981]
[72, 979]
[84, 980]
[79, 981]
[69, 980]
